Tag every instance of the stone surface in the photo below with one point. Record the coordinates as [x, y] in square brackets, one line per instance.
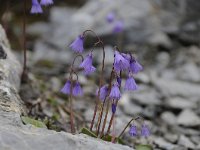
[169, 118]
[177, 88]
[184, 141]
[188, 118]
[181, 103]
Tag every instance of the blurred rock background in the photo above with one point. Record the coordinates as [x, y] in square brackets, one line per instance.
[164, 36]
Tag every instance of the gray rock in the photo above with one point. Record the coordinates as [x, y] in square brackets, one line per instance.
[172, 87]
[42, 51]
[171, 137]
[169, 118]
[164, 144]
[188, 118]
[181, 103]
[146, 97]
[189, 72]
[184, 141]
[129, 107]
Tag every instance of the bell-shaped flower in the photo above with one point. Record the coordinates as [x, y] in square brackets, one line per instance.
[87, 64]
[77, 44]
[120, 63]
[115, 92]
[133, 130]
[66, 88]
[36, 7]
[103, 92]
[46, 2]
[145, 131]
[77, 90]
[130, 84]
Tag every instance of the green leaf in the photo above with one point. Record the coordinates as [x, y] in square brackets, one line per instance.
[34, 122]
[109, 139]
[144, 147]
[88, 132]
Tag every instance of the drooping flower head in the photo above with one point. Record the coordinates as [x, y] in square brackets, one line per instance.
[110, 17]
[77, 90]
[130, 84]
[145, 130]
[115, 92]
[119, 80]
[135, 67]
[36, 7]
[87, 64]
[133, 130]
[118, 27]
[120, 63]
[77, 44]
[114, 107]
[46, 2]
[66, 88]
[103, 92]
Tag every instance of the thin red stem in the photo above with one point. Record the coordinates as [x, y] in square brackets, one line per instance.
[101, 77]
[24, 42]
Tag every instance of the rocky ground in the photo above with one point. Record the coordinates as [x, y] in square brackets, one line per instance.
[165, 39]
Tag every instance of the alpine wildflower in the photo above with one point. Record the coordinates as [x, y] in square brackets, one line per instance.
[119, 80]
[110, 17]
[77, 90]
[46, 2]
[120, 63]
[135, 67]
[130, 84]
[118, 27]
[133, 130]
[103, 92]
[77, 44]
[145, 132]
[36, 7]
[115, 92]
[114, 107]
[66, 88]
[87, 64]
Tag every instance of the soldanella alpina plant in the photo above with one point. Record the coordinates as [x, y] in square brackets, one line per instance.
[108, 94]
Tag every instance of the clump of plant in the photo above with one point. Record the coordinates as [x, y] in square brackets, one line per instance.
[108, 94]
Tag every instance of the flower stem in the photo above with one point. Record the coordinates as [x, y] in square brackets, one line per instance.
[105, 119]
[127, 126]
[101, 77]
[111, 120]
[71, 109]
[24, 73]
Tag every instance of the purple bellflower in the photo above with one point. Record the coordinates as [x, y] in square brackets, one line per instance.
[135, 67]
[118, 27]
[66, 88]
[77, 90]
[77, 44]
[120, 63]
[87, 64]
[36, 7]
[103, 92]
[119, 80]
[133, 130]
[115, 92]
[110, 17]
[46, 2]
[145, 132]
[130, 84]
[114, 107]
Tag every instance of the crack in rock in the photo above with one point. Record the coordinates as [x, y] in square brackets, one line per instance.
[3, 54]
